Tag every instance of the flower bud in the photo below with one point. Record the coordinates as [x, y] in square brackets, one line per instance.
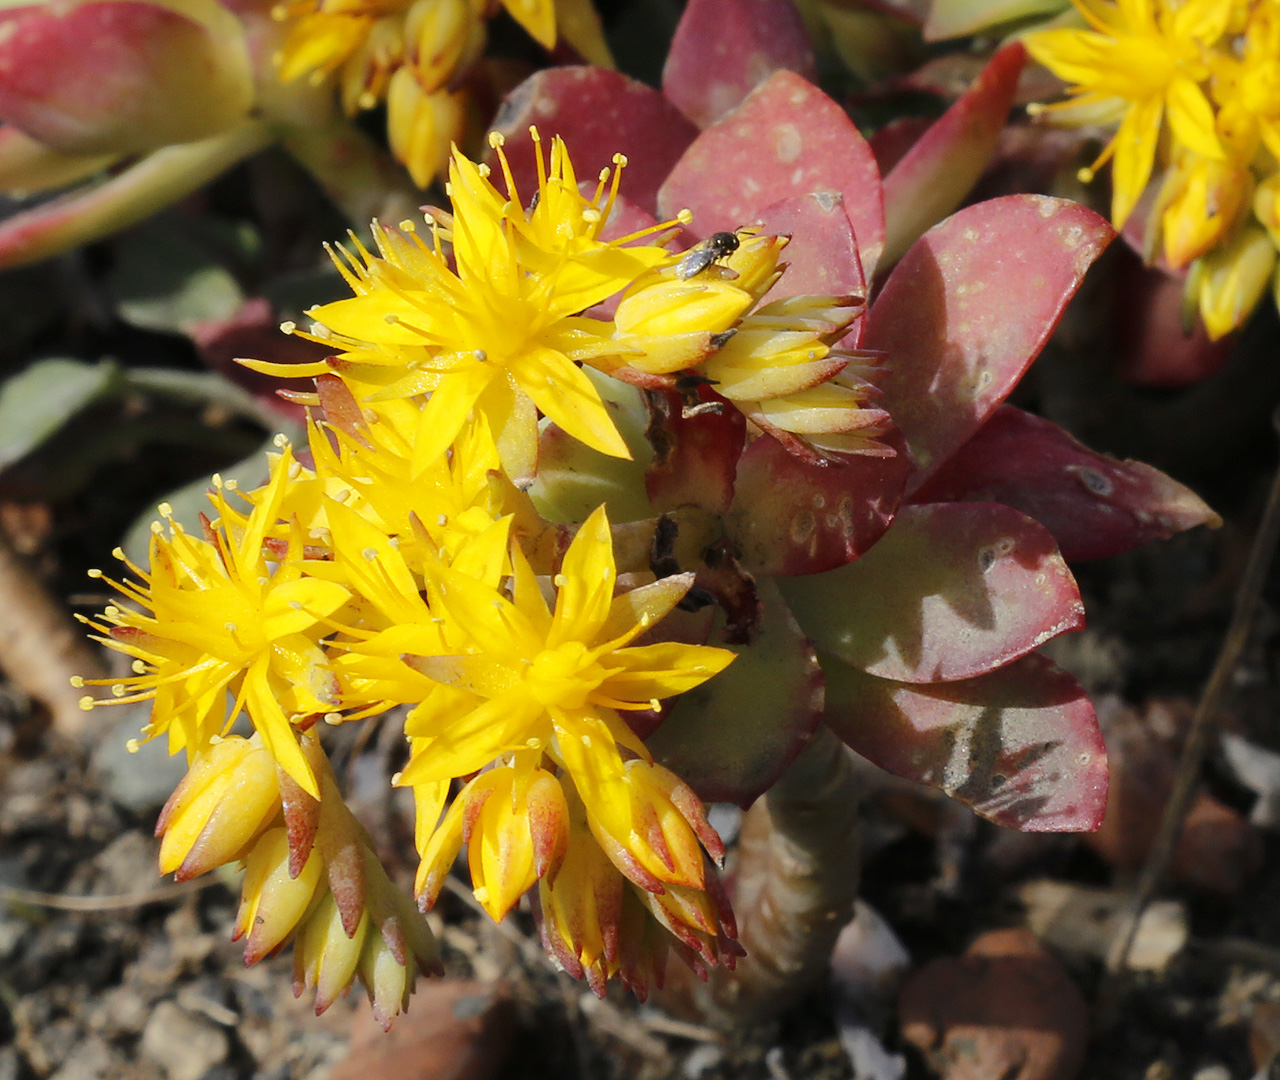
[422, 126]
[671, 306]
[389, 982]
[229, 795]
[324, 957]
[273, 903]
[123, 76]
[443, 37]
[1231, 280]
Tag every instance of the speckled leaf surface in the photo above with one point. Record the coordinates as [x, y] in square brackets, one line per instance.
[967, 310]
[938, 171]
[723, 48]
[951, 591]
[1095, 505]
[599, 113]
[1021, 745]
[787, 138]
[732, 737]
[791, 517]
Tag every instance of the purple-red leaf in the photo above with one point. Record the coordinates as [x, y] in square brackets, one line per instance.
[1020, 745]
[254, 330]
[723, 48]
[938, 171]
[787, 138]
[695, 457]
[599, 113]
[822, 257]
[967, 310]
[791, 517]
[733, 736]
[1153, 349]
[1094, 505]
[952, 590]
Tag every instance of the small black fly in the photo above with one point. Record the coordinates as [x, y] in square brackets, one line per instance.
[716, 246]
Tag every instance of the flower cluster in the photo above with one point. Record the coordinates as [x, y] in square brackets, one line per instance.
[397, 563]
[1208, 73]
[414, 55]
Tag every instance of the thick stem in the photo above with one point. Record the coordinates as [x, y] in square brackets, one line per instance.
[794, 888]
[40, 647]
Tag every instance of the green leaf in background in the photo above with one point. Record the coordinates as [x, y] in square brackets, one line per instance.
[172, 273]
[37, 402]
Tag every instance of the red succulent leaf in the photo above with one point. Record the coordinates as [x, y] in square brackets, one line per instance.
[120, 76]
[953, 590]
[938, 171]
[786, 138]
[696, 451]
[732, 737]
[598, 113]
[822, 257]
[1020, 745]
[1094, 505]
[969, 307]
[791, 517]
[891, 143]
[723, 48]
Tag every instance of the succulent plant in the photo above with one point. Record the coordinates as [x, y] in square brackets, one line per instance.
[647, 492]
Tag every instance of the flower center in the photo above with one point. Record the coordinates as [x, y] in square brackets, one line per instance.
[564, 676]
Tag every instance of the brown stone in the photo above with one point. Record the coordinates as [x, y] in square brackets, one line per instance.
[1218, 849]
[454, 1030]
[1005, 1009]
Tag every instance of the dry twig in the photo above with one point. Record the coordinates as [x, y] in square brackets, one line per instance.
[1255, 576]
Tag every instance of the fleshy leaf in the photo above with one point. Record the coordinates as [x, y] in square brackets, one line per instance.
[951, 591]
[696, 456]
[723, 48]
[891, 142]
[1095, 506]
[787, 138]
[123, 76]
[938, 171]
[791, 517]
[27, 165]
[956, 18]
[39, 401]
[967, 310]
[822, 257]
[573, 479]
[733, 736]
[598, 113]
[1020, 745]
[150, 184]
